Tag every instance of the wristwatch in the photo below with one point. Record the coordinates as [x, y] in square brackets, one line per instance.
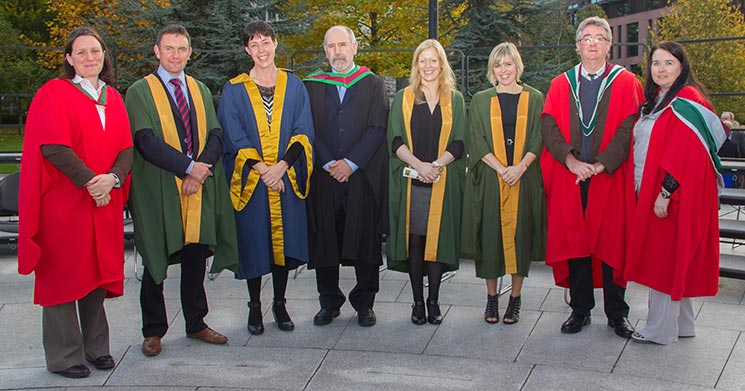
[117, 182]
[665, 194]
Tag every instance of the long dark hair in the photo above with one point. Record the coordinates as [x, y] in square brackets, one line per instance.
[686, 77]
[68, 72]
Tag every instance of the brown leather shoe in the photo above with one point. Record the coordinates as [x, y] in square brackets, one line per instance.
[151, 346]
[210, 336]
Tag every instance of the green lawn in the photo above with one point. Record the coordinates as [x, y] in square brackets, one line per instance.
[10, 141]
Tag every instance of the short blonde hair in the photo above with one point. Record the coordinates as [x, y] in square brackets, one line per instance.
[497, 56]
[447, 77]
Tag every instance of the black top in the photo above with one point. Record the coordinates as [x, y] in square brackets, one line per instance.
[425, 136]
[508, 106]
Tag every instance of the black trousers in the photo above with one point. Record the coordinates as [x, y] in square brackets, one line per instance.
[581, 283]
[362, 296]
[193, 296]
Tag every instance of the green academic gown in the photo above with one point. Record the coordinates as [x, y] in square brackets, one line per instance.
[443, 229]
[155, 199]
[503, 229]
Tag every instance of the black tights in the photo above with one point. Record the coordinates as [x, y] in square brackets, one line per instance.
[416, 270]
[279, 281]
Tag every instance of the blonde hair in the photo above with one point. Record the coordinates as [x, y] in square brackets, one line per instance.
[497, 56]
[446, 80]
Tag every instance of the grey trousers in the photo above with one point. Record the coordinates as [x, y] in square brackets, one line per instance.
[667, 319]
[67, 342]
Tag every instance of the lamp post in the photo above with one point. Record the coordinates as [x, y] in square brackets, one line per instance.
[433, 19]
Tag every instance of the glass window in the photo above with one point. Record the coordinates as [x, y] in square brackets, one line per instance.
[632, 38]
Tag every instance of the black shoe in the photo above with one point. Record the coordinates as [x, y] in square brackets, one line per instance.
[366, 318]
[492, 309]
[512, 314]
[281, 316]
[434, 316]
[325, 316]
[574, 323]
[103, 362]
[417, 313]
[255, 321]
[75, 371]
[622, 327]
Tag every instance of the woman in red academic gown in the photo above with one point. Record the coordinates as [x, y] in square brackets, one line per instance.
[77, 153]
[674, 239]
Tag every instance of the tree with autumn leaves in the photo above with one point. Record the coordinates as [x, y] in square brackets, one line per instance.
[392, 29]
[719, 65]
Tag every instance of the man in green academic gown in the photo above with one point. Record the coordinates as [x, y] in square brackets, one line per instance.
[179, 198]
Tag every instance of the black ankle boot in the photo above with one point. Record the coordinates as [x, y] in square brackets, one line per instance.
[255, 321]
[281, 316]
[512, 314]
[433, 312]
[492, 309]
[417, 313]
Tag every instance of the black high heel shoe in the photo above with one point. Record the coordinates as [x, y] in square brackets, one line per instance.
[492, 309]
[417, 313]
[433, 312]
[512, 314]
[281, 316]
[255, 321]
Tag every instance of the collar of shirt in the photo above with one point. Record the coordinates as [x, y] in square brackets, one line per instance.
[95, 93]
[166, 77]
[88, 87]
[598, 73]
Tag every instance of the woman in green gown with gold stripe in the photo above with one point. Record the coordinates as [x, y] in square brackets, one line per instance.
[504, 212]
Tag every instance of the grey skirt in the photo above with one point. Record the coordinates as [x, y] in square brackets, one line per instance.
[419, 210]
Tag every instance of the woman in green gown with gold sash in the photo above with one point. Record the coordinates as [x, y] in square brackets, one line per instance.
[426, 127]
[504, 212]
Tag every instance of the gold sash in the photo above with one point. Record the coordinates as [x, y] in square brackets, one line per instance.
[269, 138]
[438, 188]
[191, 205]
[509, 195]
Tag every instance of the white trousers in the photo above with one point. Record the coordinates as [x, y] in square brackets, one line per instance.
[667, 319]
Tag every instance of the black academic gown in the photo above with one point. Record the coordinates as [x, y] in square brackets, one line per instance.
[354, 129]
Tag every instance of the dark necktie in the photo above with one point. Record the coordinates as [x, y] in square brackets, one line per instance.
[591, 76]
[183, 109]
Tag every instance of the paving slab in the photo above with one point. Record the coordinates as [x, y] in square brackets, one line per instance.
[596, 347]
[547, 378]
[20, 340]
[115, 388]
[695, 361]
[306, 334]
[730, 291]
[220, 366]
[393, 332]
[733, 376]
[728, 316]
[39, 378]
[481, 340]
[17, 292]
[363, 371]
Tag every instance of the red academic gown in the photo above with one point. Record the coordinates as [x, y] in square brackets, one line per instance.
[679, 254]
[72, 246]
[599, 232]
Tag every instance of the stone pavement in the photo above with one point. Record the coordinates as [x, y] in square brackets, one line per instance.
[463, 353]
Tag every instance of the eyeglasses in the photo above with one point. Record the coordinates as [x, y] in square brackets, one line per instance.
[589, 41]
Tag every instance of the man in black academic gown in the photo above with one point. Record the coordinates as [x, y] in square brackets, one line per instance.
[347, 205]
